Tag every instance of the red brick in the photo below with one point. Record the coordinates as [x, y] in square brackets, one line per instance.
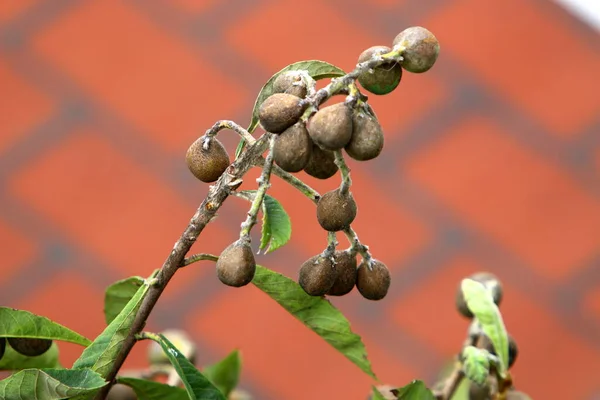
[545, 344]
[12, 9]
[23, 107]
[19, 251]
[140, 71]
[516, 197]
[435, 297]
[279, 352]
[537, 61]
[297, 33]
[111, 206]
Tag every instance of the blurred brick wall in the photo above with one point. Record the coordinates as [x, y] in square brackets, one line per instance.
[491, 161]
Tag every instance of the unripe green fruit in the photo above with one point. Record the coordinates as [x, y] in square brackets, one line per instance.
[317, 275]
[490, 281]
[207, 165]
[336, 211]
[293, 148]
[373, 284]
[30, 347]
[421, 49]
[121, 392]
[2, 347]
[236, 265]
[180, 339]
[290, 82]
[367, 139]
[331, 127]
[477, 392]
[382, 79]
[513, 350]
[280, 111]
[346, 271]
[321, 164]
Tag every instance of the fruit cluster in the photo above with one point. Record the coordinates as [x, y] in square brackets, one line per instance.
[29, 347]
[313, 139]
[483, 392]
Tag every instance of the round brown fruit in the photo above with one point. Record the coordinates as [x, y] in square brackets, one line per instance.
[30, 347]
[490, 281]
[180, 339]
[367, 139]
[317, 275]
[373, 284]
[207, 165]
[321, 164]
[513, 350]
[382, 79]
[345, 268]
[280, 111]
[236, 265]
[479, 392]
[121, 392]
[293, 148]
[331, 127]
[290, 82]
[421, 49]
[336, 211]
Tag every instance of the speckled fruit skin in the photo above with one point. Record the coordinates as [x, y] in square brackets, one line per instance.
[346, 272]
[280, 111]
[488, 279]
[331, 127]
[317, 275]
[236, 265]
[367, 138]
[30, 347]
[207, 165]
[382, 79]
[421, 49]
[321, 164]
[336, 211]
[373, 284]
[290, 82]
[293, 148]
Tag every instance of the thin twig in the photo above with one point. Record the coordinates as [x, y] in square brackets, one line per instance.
[345, 170]
[199, 257]
[226, 124]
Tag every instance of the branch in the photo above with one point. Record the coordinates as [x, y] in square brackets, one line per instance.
[217, 194]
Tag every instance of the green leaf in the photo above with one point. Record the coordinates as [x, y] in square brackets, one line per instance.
[23, 324]
[13, 361]
[476, 364]
[100, 355]
[315, 68]
[118, 294]
[376, 394]
[317, 313]
[50, 384]
[150, 390]
[197, 385]
[416, 390]
[481, 303]
[225, 374]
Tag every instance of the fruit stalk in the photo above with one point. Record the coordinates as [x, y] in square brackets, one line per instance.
[217, 194]
[345, 170]
[226, 124]
[263, 185]
[199, 257]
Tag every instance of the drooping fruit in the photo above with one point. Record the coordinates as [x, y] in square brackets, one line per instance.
[479, 392]
[207, 165]
[374, 283]
[513, 350]
[331, 127]
[321, 164]
[293, 148]
[317, 275]
[382, 79]
[421, 49]
[2, 347]
[236, 265]
[345, 269]
[280, 111]
[490, 281]
[121, 392]
[30, 347]
[367, 139]
[336, 210]
[180, 339]
[290, 82]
